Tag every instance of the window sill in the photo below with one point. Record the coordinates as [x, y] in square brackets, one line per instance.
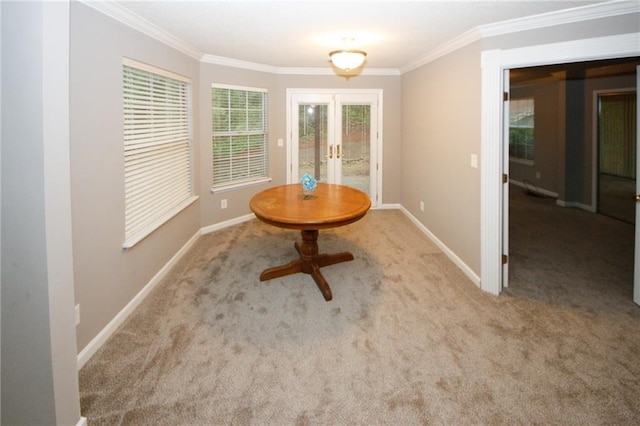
[521, 161]
[146, 231]
[245, 184]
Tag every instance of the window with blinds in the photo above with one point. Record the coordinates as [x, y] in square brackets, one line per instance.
[522, 130]
[240, 144]
[157, 148]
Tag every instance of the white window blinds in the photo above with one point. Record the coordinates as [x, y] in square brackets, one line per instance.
[157, 148]
[239, 135]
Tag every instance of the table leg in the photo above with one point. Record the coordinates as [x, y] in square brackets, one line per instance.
[310, 262]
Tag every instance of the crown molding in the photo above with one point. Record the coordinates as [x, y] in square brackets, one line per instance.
[560, 17]
[253, 66]
[330, 71]
[237, 63]
[124, 16]
[566, 16]
[459, 42]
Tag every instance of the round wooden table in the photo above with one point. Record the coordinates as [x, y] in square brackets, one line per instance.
[329, 206]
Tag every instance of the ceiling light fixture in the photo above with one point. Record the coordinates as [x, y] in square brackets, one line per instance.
[347, 59]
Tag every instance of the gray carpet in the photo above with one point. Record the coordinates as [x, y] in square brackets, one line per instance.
[407, 339]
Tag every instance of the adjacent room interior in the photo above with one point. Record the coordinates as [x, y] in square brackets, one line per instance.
[597, 177]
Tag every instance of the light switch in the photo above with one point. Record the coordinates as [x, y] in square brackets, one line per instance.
[280, 142]
[474, 161]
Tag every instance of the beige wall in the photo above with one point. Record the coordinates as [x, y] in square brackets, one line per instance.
[556, 168]
[277, 85]
[440, 132]
[441, 121]
[106, 276]
[38, 379]
[391, 122]
[237, 199]
[549, 138]
[431, 128]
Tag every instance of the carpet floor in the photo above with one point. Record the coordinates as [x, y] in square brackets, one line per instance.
[407, 339]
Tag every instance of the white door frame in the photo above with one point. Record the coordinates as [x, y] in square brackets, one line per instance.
[493, 63]
[636, 256]
[346, 95]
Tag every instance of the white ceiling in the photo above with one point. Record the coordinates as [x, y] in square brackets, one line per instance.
[301, 33]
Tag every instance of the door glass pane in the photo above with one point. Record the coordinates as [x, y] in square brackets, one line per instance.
[312, 141]
[617, 156]
[356, 144]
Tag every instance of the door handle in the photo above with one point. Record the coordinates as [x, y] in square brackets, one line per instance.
[338, 153]
[637, 197]
[330, 151]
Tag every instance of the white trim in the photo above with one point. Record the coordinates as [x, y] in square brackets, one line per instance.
[522, 161]
[145, 232]
[334, 98]
[253, 66]
[239, 185]
[237, 63]
[126, 17]
[609, 47]
[446, 250]
[391, 206]
[459, 42]
[560, 17]
[92, 347]
[575, 205]
[492, 140]
[236, 87]
[154, 70]
[95, 344]
[491, 229]
[537, 190]
[82, 421]
[227, 223]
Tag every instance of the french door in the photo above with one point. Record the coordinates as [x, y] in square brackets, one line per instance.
[333, 136]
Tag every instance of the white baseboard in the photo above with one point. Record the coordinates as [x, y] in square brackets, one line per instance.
[92, 347]
[226, 223]
[391, 207]
[576, 205]
[534, 188]
[95, 344]
[552, 194]
[82, 421]
[446, 250]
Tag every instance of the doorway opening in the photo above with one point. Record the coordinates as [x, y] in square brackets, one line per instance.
[561, 251]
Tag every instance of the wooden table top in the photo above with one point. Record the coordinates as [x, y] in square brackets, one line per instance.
[328, 206]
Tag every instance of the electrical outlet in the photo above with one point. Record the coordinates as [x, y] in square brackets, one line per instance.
[78, 314]
[421, 206]
[223, 203]
[537, 175]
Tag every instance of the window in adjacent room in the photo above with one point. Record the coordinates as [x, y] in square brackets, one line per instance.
[240, 144]
[521, 130]
[157, 148]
